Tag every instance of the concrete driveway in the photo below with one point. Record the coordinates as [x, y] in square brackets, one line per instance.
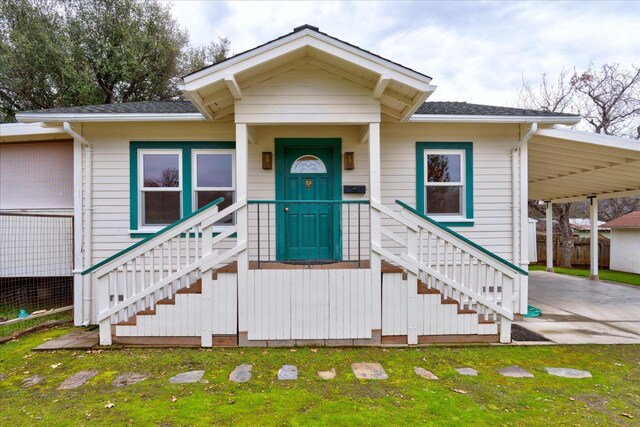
[581, 311]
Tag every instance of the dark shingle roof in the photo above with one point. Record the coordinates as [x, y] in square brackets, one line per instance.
[144, 107]
[466, 109]
[186, 107]
[630, 220]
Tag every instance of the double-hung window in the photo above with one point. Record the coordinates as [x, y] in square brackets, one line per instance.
[445, 182]
[171, 180]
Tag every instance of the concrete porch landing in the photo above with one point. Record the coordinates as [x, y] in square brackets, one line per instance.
[581, 311]
[78, 339]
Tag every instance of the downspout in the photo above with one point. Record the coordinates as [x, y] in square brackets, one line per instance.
[515, 185]
[87, 216]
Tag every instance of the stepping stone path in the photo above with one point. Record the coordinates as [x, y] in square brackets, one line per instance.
[187, 377]
[428, 375]
[568, 373]
[287, 373]
[33, 380]
[77, 379]
[369, 371]
[241, 374]
[128, 378]
[327, 375]
[515, 372]
[467, 371]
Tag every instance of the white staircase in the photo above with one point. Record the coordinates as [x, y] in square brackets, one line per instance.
[443, 269]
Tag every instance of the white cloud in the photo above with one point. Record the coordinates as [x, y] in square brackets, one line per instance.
[475, 51]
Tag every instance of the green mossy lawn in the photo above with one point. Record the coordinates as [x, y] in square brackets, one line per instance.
[609, 398]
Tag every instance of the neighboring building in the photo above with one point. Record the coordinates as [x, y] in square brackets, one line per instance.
[581, 228]
[351, 211]
[625, 242]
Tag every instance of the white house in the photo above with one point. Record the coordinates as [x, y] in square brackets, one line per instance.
[307, 194]
[625, 242]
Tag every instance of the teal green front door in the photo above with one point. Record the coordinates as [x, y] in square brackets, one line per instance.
[308, 225]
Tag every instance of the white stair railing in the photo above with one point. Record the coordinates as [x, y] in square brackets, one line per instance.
[444, 260]
[157, 267]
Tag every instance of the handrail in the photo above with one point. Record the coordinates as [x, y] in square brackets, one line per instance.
[152, 237]
[464, 239]
[345, 202]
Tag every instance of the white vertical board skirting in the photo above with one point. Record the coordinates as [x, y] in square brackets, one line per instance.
[309, 304]
[434, 318]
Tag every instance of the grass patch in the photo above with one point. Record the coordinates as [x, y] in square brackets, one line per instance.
[8, 330]
[610, 275]
[403, 399]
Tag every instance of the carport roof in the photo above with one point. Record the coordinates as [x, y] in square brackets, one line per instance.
[568, 165]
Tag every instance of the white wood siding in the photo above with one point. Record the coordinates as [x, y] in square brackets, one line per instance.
[309, 304]
[307, 95]
[625, 250]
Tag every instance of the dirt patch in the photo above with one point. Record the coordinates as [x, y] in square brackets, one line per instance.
[518, 333]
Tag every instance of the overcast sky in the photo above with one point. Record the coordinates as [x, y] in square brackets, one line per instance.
[475, 51]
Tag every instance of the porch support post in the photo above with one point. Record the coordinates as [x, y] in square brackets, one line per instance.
[78, 266]
[593, 245]
[549, 233]
[522, 282]
[374, 215]
[242, 150]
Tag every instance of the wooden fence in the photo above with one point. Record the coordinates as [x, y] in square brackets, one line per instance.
[581, 255]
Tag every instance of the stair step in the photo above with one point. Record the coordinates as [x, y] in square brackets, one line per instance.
[449, 301]
[466, 311]
[129, 322]
[424, 290]
[166, 301]
[390, 268]
[229, 268]
[148, 312]
[195, 288]
[483, 321]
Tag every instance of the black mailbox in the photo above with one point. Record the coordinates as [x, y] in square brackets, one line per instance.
[355, 189]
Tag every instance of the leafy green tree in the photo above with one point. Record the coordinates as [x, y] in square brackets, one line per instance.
[57, 53]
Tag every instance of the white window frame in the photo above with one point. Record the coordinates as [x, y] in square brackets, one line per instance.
[142, 189]
[194, 178]
[461, 216]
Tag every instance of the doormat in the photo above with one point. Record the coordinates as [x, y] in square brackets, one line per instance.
[518, 333]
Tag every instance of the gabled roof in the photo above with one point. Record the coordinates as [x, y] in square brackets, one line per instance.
[140, 110]
[630, 220]
[216, 89]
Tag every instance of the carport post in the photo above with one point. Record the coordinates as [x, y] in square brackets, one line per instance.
[549, 213]
[593, 241]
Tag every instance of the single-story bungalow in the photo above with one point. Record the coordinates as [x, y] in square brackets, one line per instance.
[625, 242]
[307, 193]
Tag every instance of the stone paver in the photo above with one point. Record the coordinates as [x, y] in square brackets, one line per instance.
[128, 378]
[241, 374]
[568, 373]
[78, 339]
[287, 373]
[32, 380]
[369, 371]
[77, 379]
[467, 371]
[187, 377]
[327, 375]
[3, 377]
[428, 375]
[515, 372]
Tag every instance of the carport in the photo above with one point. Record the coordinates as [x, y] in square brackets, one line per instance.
[566, 165]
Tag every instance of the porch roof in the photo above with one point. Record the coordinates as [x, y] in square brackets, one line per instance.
[567, 165]
[215, 89]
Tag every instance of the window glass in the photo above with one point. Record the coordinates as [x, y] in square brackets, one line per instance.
[214, 170]
[443, 167]
[205, 197]
[308, 164]
[161, 170]
[160, 207]
[444, 200]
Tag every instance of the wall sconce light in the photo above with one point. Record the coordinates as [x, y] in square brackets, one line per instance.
[267, 160]
[349, 161]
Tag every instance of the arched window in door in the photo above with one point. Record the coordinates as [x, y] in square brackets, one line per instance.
[308, 164]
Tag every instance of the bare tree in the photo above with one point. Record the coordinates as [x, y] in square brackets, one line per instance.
[609, 102]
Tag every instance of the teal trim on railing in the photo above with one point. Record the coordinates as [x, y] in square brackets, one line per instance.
[141, 242]
[461, 237]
